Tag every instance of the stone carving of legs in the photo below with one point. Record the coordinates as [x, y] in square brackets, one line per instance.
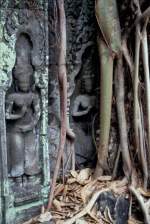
[16, 142]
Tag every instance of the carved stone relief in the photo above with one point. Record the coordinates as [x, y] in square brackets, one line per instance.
[23, 114]
[82, 76]
[25, 166]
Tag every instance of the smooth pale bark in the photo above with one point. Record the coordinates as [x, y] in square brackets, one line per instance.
[106, 78]
[109, 47]
[108, 21]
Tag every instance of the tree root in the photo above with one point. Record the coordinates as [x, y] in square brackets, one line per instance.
[105, 107]
[87, 208]
[62, 77]
[147, 84]
[119, 89]
[145, 206]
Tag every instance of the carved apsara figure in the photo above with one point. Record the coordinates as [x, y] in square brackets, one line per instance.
[22, 114]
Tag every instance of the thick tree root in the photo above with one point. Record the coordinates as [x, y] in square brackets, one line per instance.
[88, 207]
[62, 77]
[145, 206]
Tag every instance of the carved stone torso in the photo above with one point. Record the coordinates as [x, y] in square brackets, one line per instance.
[20, 101]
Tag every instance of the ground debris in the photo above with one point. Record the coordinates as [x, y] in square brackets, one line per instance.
[78, 199]
[89, 201]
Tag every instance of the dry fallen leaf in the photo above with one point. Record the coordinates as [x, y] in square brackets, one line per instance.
[57, 205]
[59, 188]
[74, 198]
[84, 175]
[87, 190]
[71, 180]
[134, 221]
[60, 222]
[32, 221]
[81, 221]
[46, 217]
[143, 192]
[74, 173]
[104, 178]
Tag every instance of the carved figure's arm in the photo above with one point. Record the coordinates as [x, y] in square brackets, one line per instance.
[76, 106]
[78, 102]
[9, 111]
[81, 113]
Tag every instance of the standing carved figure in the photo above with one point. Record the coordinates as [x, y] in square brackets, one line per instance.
[22, 114]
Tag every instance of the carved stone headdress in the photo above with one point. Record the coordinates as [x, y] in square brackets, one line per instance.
[22, 70]
[23, 73]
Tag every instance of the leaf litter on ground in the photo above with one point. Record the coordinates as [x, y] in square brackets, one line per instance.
[75, 201]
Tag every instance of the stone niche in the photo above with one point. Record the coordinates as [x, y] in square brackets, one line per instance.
[24, 155]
